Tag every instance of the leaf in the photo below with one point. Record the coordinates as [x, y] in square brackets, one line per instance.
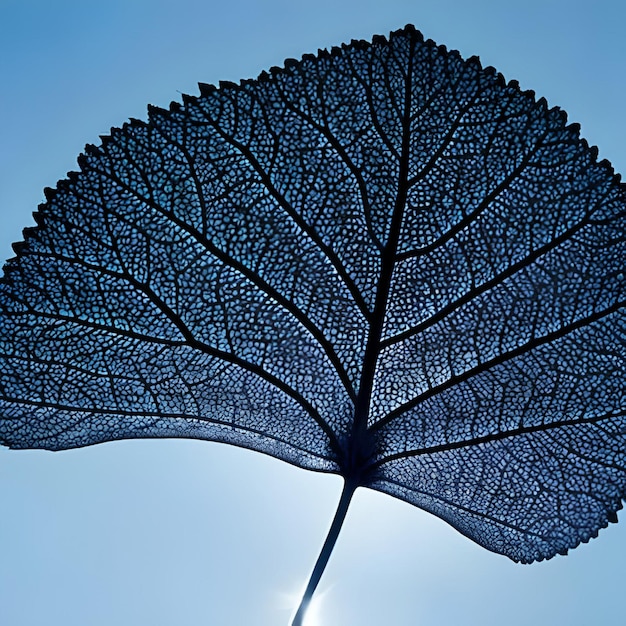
[382, 261]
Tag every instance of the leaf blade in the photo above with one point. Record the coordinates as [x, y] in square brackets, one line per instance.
[375, 262]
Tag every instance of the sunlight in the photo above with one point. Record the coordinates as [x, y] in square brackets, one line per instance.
[313, 615]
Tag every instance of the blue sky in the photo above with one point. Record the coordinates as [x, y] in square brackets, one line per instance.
[173, 532]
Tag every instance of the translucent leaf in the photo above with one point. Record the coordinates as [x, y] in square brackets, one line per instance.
[382, 261]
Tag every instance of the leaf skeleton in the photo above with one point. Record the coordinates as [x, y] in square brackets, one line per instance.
[381, 261]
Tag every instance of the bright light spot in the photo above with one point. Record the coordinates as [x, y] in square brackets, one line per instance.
[313, 616]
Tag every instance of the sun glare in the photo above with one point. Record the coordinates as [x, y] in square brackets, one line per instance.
[313, 615]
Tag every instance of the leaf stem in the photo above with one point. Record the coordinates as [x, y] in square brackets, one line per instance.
[342, 508]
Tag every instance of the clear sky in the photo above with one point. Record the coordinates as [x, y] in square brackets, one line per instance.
[171, 533]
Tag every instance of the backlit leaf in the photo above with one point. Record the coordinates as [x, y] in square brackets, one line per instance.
[382, 261]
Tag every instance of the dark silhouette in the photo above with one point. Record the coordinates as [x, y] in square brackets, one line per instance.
[382, 261]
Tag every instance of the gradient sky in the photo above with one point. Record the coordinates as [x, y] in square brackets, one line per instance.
[175, 533]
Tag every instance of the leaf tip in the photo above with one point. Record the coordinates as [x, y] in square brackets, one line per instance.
[18, 247]
[188, 100]
[475, 61]
[91, 150]
[227, 84]
[105, 140]
[513, 84]
[206, 89]
[39, 215]
[29, 233]
[130, 124]
[379, 40]
[155, 112]
[410, 31]
[558, 112]
[357, 44]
